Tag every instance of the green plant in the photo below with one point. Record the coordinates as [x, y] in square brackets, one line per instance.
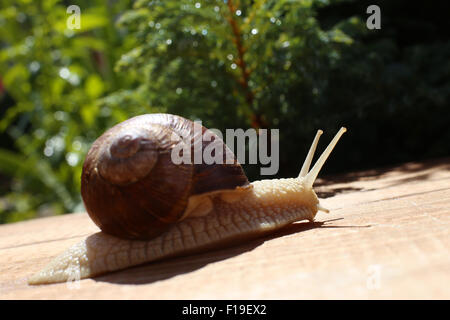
[54, 75]
[293, 65]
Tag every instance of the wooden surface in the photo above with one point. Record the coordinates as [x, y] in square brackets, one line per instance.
[387, 237]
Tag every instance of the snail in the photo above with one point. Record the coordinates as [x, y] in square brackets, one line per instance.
[149, 208]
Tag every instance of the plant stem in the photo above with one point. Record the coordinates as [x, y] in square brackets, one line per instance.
[256, 118]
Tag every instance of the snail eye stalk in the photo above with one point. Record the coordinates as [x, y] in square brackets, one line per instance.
[309, 157]
[312, 175]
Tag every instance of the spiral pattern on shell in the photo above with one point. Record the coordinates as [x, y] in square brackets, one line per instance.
[130, 186]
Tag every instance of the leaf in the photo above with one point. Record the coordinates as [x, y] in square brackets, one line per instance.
[94, 86]
[89, 113]
[338, 36]
[15, 164]
[10, 162]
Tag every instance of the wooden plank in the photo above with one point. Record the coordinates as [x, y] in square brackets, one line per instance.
[387, 237]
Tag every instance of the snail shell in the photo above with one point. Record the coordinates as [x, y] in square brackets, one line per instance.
[132, 189]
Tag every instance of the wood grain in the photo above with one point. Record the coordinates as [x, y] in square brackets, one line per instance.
[387, 237]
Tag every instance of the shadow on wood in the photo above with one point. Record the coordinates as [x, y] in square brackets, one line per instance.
[165, 269]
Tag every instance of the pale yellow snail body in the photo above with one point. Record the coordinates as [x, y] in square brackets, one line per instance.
[210, 217]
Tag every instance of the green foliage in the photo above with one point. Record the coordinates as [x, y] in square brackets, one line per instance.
[247, 63]
[294, 65]
[195, 64]
[55, 77]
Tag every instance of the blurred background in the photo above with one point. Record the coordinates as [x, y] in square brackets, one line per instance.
[293, 65]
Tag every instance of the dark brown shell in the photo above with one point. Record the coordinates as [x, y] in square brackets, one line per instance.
[130, 186]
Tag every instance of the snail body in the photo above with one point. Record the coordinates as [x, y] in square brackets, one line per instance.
[220, 216]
